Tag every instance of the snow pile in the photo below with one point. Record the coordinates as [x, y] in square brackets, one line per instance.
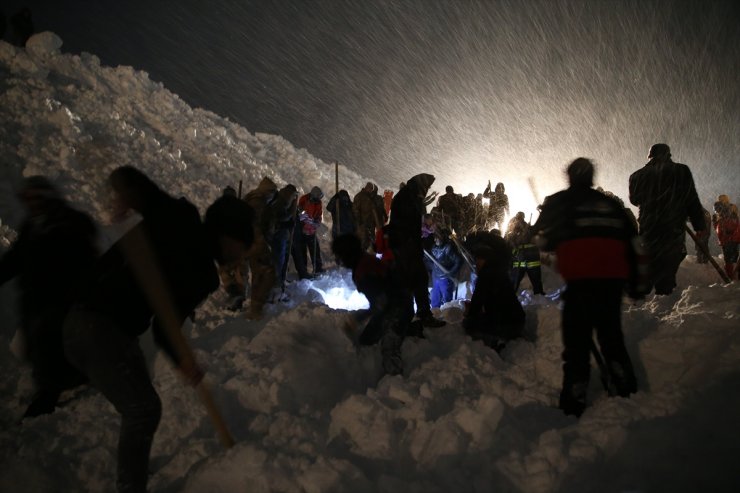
[67, 117]
[311, 412]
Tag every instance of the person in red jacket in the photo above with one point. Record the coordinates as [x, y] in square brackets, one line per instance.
[594, 240]
[727, 226]
[311, 214]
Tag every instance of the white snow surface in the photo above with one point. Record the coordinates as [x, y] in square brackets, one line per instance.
[308, 411]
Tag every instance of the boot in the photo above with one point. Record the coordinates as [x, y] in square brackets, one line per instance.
[730, 271]
[428, 320]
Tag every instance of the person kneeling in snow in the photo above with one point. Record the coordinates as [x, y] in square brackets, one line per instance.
[493, 314]
[391, 304]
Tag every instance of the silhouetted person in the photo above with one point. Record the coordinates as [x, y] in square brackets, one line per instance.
[526, 255]
[665, 193]
[404, 234]
[21, 27]
[340, 208]
[55, 249]
[284, 211]
[593, 239]
[259, 256]
[157, 274]
[366, 215]
[498, 207]
[449, 205]
[391, 303]
[494, 314]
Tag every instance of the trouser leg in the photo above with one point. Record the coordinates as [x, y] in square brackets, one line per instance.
[115, 366]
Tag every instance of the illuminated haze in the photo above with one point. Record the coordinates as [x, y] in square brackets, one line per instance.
[469, 91]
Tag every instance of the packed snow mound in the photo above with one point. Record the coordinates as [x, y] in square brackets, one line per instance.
[68, 117]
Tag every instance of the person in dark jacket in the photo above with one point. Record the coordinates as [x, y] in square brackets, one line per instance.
[445, 262]
[156, 274]
[494, 314]
[54, 251]
[340, 208]
[498, 207]
[404, 234]
[368, 219]
[665, 193]
[391, 303]
[449, 205]
[595, 243]
[259, 256]
[526, 255]
[283, 209]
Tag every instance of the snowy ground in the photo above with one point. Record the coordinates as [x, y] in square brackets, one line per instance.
[308, 411]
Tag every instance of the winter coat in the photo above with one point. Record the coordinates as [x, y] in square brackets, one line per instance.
[407, 210]
[449, 258]
[311, 214]
[363, 208]
[283, 208]
[494, 303]
[727, 227]
[665, 193]
[51, 257]
[590, 233]
[346, 222]
[259, 200]
[173, 231]
[450, 204]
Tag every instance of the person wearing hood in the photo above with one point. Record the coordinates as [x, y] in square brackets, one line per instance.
[259, 256]
[598, 256]
[340, 208]
[404, 234]
[54, 250]
[366, 217]
[311, 217]
[665, 193]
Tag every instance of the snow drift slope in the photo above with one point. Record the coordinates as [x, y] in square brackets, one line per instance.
[68, 117]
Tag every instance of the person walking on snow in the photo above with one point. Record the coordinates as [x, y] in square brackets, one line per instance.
[404, 234]
[597, 255]
[54, 251]
[665, 193]
[156, 274]
[391, 303]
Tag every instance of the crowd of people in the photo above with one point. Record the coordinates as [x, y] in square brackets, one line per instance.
[82, 311]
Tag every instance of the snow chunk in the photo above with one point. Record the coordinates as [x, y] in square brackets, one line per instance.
[44, 44]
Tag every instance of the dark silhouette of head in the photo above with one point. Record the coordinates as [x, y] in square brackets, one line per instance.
[581, 173]
[659, 151]
[228, 225]
[133, 189]
[348, 250]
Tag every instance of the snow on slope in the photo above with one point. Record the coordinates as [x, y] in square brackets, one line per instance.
[68, 117]
[309, 412]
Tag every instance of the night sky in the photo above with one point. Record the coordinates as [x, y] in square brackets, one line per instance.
[467, 90]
